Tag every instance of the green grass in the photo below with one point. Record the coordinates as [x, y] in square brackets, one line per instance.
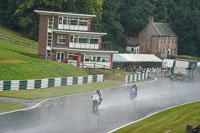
[58, 91]
[185, 57]
[16, 36]
[174, 120]
[10, 106]
[18, 63]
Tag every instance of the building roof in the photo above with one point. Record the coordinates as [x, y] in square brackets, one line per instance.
[132, 41]
[135, 58]
[63, 13]
[163, 29]
[78, 32]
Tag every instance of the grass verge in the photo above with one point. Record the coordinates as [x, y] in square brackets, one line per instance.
[185, 57]
[10, 106]
[58, 91]
[173, 120]
[116, 75]
[17, 63]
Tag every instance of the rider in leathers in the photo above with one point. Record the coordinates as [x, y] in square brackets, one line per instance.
[99, 93]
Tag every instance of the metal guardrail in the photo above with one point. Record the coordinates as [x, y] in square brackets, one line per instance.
[17, 42]
[191, 129]
[91, 67]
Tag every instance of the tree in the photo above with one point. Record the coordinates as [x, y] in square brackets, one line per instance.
[111, 21]
[134, 15]
[186, 20]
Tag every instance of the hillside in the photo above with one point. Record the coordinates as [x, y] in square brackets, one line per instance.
[17, 63]
[12, 36]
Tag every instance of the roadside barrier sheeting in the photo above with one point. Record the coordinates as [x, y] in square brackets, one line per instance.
[48, 82]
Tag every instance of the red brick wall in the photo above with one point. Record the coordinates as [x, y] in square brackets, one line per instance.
[150, 43]
[167, 45]
[42, 36]
[53, 55]
[55, 22]
[145, 39]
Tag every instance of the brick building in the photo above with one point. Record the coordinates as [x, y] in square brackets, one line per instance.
[132, 45]
[158, 39]
[67, 37]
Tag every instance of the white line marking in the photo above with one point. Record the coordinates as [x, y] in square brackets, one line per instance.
[150, 115]
[61, 97]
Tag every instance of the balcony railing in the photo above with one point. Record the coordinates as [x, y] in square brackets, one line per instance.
[93, 27]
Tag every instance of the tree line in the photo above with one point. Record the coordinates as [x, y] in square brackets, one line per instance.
[119, 18]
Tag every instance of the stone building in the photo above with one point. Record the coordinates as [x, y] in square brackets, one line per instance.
[67, 37]
[158, 39]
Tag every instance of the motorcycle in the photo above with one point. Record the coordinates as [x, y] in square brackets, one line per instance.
[133, 93]
[95, 102]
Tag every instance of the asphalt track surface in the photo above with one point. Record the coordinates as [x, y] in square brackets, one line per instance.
[73, 114]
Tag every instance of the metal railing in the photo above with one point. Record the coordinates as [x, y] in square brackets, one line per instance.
[93, 27]
[18, 42]
[91, 66]
[191, 129]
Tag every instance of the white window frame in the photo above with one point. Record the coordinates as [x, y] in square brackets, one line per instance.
[63, 37]
[85, 37]
[60, 56]
[49, 39]
[49, 23]
[164, 41]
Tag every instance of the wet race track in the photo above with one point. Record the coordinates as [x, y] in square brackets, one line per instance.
[73, 114]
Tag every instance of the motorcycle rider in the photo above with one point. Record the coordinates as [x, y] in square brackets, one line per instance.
[133, 89]
[99, 93]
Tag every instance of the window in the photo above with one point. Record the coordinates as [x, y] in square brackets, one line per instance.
[83, 21]
[49, 38]
[160, 51]
[168, 40]
[163, 51]
[175, 51]
[94, 41]
[71, 38]
[50, 23]
[60, 56]
[61, 39]
[76, 40]
[174, 40]
[164, 40]
[72, 56]
[161, 40]
[84, 39]
[65, 20]
[97, 58]
[172, 51]
[60, 20]
[74, 22]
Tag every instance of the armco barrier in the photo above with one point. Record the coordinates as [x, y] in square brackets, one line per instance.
[48, 82]
[138, 76]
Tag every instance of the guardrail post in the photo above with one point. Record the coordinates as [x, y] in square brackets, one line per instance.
[188, 129]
